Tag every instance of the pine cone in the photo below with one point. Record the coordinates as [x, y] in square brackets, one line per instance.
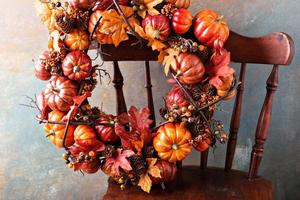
[168, 10]
[197, 127]
[196, 91]
[204, 53]
[138, 164]
[149, 152]
[108, 151]
[209, 89]
[65, 23]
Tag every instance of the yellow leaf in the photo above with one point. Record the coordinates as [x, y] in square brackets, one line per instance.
[169, 59]
[152, 169]
[149, 7]
[145, 183]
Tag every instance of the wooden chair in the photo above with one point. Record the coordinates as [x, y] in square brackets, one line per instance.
[205, 182]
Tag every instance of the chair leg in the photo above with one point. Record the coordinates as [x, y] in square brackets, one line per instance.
[118, 82]
[263, 124]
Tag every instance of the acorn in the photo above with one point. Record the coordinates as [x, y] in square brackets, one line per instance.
[122, 186]
[188, 114]
[121, 180]
[191, 108]
[171, 119]
[66, 156]
[70, 165]
[183, 109]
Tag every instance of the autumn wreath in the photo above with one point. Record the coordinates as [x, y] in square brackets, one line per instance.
[124, 146]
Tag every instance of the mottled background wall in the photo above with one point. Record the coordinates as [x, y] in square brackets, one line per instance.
[31, 168]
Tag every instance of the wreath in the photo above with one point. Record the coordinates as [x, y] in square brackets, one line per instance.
[125, 147]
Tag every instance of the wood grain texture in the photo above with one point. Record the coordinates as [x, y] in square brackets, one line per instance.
[263, 124]
[235, 119]
[118, 82]
[194, 184]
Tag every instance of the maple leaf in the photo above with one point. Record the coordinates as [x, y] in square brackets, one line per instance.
[168, 59]
[145, 181]
[119, 161]
[113, 24]
[149, 7]
[219, 70]
[139, 133]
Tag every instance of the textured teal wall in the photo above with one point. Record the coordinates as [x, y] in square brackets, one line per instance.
[31, 168]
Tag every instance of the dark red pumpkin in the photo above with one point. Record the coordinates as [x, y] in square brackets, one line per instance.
[82, 4]
[209, 26]
[104, 4]
[182, 21]
[40, 70]
[182, 3]
[106, 133]
[91, 167]
[77, 65]
[190, 68]
[59, 93]
[167, 172]
[157, 26]
[176, 97]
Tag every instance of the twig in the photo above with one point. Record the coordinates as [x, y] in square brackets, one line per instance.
[76, 123]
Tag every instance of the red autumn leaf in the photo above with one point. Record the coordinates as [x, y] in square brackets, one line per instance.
[219, 68]
[78, 100]
[139, 133]
[118, 161]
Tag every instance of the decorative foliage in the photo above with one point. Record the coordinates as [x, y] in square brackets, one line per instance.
[124, 146]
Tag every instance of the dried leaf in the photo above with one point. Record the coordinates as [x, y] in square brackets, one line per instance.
[219, 70]
[55, 42]
[119, 161]
[145, 181]
[168, 59]
[149, 7]
[113, 24]
[139, 133]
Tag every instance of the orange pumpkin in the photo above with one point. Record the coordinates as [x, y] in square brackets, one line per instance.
[55, 132]
[189, 68]
[182, 3]
[77, 40]
[201, 143]
[167, 172]
[172, 142]
[100, 37]
[209, 26]
[182, 21]
[85, 133]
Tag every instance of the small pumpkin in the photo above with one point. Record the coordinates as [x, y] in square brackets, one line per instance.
[104, 4]
[91, 167]
[176, 97]
[182, 21]
[100, 37]
[172, 142]
[82, 4]
[77, 40]
[40, 70]
[156, 26]
[77, 65]
[210, 26]
[59, 93]
[106, 133]
[55, 132]
[202, 142]
[86, 134]
[189, 68]
[182, 3]
[167, 172]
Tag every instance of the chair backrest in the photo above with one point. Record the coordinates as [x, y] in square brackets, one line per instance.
[274, 49]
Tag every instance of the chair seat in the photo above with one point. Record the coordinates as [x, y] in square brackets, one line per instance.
[193, 184]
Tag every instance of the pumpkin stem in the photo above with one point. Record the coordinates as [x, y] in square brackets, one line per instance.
[219, 20]
[76, 69]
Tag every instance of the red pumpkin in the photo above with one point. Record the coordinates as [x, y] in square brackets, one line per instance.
[182, 3]
[77, 65]
[101, 37]
[77, 40]
[189, 68]
[86, 134]
[176, 97]
[157, 26]
[40, 70]
[182, 21]
[167, 171]
[82, 4]
[91, 167]
[209, 26]
[106, 133]
[104, 4]
[55, 132]
[59, 93]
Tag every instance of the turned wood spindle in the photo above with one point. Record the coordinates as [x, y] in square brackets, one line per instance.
[235, 119]
[148, 86]
[118, 82]
[263, 124]
[204, 158]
